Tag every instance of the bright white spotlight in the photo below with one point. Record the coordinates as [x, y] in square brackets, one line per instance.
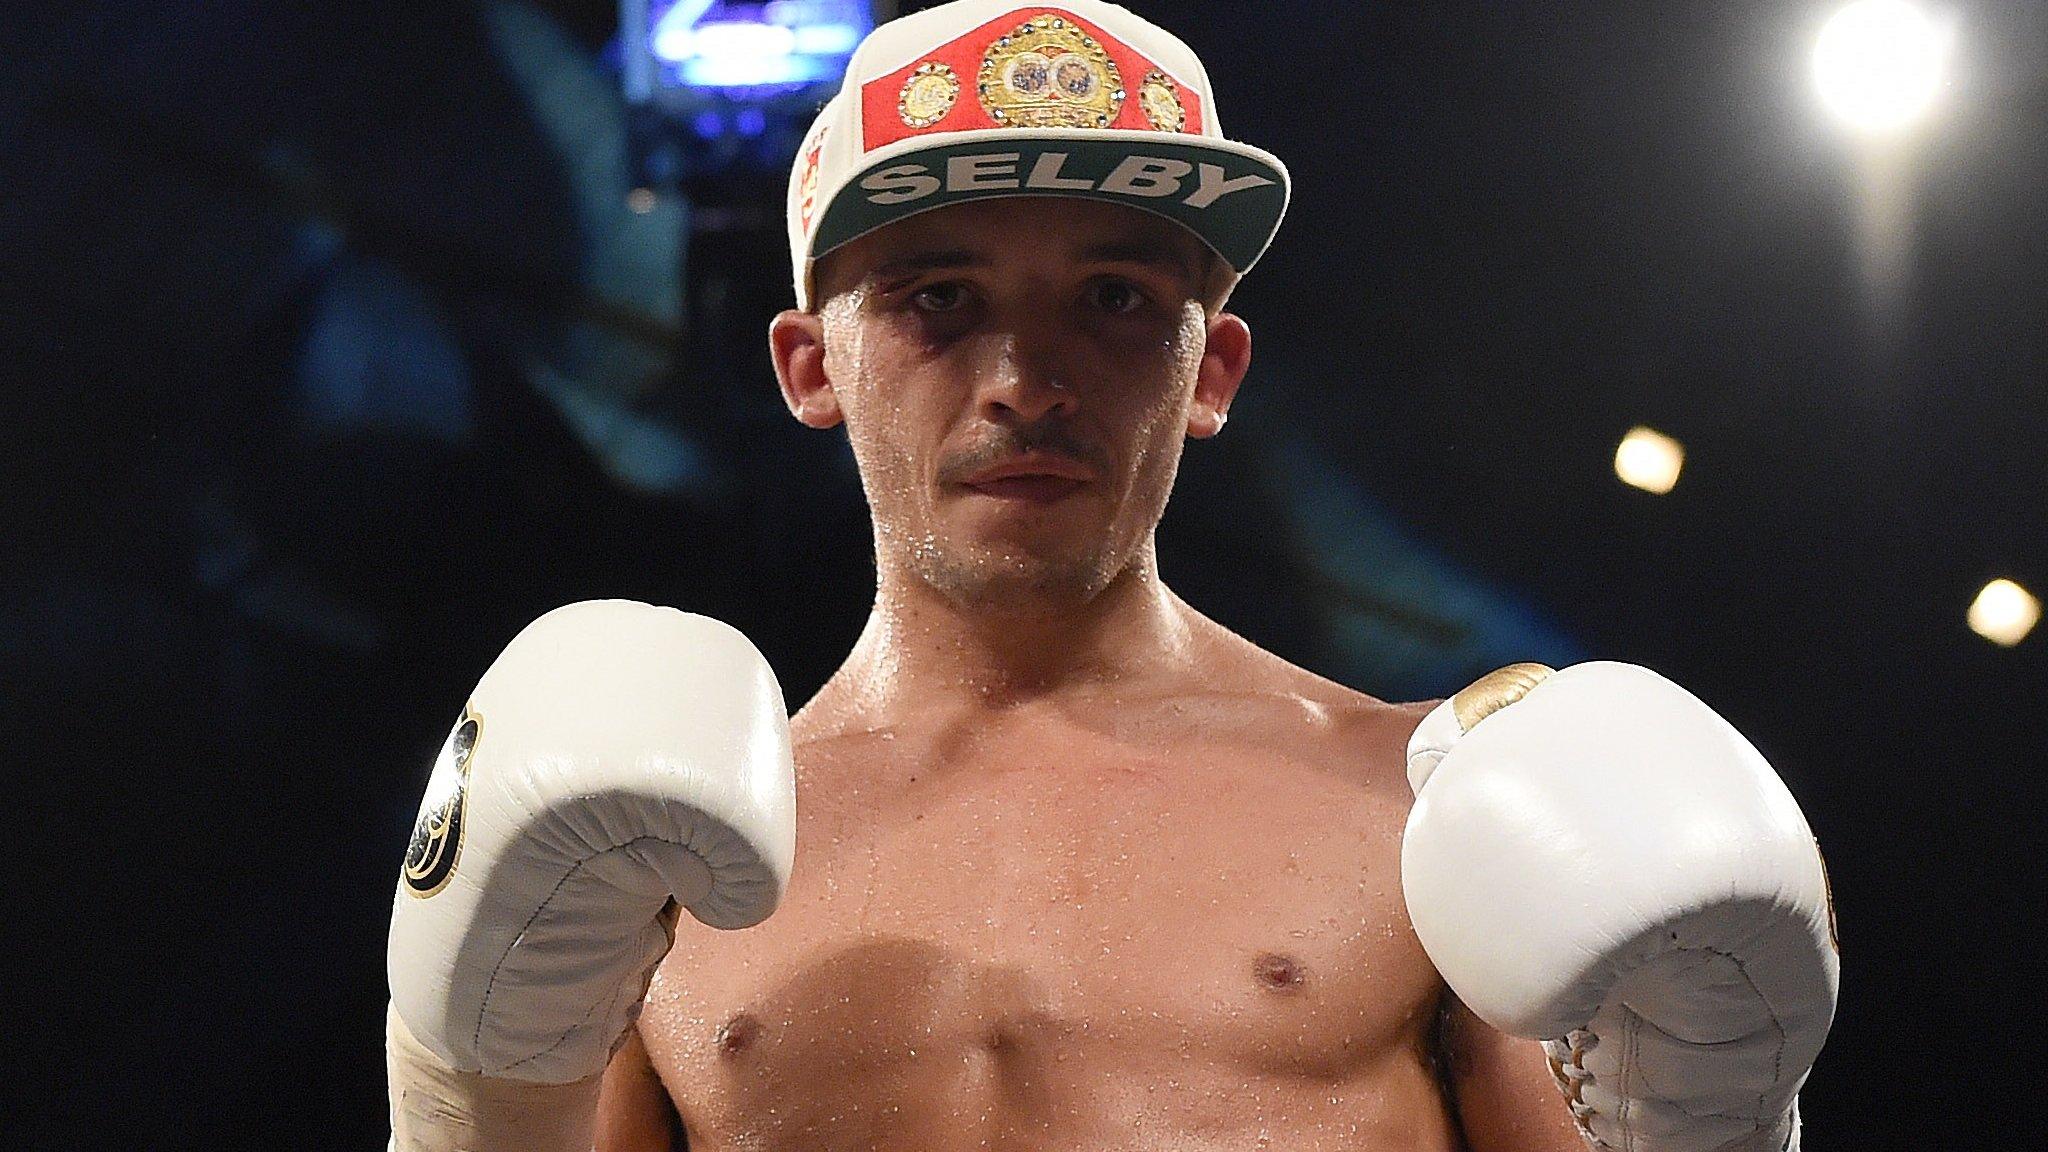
[1879, 63]
[1649, 460]
[2004, 613]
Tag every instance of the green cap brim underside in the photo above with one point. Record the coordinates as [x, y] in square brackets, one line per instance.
[1232, 201]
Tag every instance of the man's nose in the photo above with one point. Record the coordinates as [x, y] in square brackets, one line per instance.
[1028, 378]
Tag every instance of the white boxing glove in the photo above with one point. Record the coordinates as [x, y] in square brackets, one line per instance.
[1595, 859]
[615, 756]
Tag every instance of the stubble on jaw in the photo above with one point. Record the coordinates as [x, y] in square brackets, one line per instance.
[993, 575]
[1014, 577]
[1003, 576]
[993, 580]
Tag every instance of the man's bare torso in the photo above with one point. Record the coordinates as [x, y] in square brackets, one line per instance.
[1101, 919]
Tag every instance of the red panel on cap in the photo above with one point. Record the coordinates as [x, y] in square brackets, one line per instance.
[881, 123]
[807, 184]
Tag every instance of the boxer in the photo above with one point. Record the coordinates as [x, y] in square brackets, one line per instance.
[1075, 867]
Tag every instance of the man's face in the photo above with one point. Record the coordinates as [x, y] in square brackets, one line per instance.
[1016, 377]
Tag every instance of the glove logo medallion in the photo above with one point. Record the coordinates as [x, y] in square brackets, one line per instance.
[437, 835]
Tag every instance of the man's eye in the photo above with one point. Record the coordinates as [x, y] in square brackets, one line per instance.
[938, 297]
[1116, 297]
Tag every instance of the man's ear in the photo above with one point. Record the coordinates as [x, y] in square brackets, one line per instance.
[1225, 359]
[796, 342]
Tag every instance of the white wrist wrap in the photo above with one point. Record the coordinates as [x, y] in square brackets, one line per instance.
[435, 1108]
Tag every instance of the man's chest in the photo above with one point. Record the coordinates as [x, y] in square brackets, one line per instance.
[1234, 909]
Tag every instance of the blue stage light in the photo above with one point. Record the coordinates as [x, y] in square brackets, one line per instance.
[736, 44]
[719, 92]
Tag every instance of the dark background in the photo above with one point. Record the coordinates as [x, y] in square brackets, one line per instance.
[332, 357]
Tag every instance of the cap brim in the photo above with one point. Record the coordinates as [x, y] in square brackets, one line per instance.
[1231, 195]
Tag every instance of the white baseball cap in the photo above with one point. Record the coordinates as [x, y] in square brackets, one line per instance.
[985, 98]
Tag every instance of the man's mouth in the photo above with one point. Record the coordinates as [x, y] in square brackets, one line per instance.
[1029, 489]
[1034, 478]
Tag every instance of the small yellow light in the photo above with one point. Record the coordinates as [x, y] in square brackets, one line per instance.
[641, 201]
[1649, 460]
[2004, 613]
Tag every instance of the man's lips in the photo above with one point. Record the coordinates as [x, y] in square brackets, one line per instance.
[1033, 464]
[1037, 479]
[1029, 489]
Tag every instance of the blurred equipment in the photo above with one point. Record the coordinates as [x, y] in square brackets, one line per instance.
[718, 94]
[721, 88]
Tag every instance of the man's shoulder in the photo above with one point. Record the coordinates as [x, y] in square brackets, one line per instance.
[1341, 700]
[1352, 731]
[1370, 735]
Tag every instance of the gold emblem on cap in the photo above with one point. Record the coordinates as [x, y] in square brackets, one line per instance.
[1159, 99]
[928, 94]
[1048, 73]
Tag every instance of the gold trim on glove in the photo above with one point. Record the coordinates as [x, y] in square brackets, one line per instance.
[1495, 691]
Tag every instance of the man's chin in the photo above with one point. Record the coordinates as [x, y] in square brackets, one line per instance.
[1034, 525]
[996, 577]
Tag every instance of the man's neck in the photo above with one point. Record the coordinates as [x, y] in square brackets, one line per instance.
[923, 651]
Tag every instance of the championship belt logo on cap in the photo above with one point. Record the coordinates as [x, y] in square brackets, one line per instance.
[1078, 98]
[437, 834]
[1159, 100]
[928, 95]
[1049, 74]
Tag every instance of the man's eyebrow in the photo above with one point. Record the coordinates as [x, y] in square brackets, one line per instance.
[936, 260]
[1153, 253]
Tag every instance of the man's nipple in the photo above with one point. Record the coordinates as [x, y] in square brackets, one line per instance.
[737, 1035]
[1278, 971]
